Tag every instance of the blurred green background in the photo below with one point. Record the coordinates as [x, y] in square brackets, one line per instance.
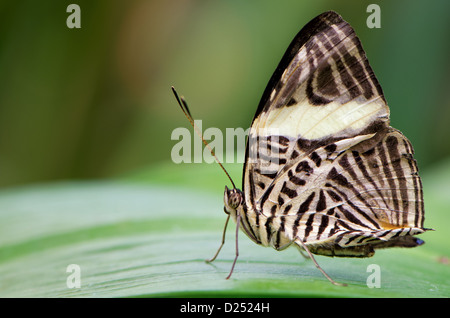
[95, 102]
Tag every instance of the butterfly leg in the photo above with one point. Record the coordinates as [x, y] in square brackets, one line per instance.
[223, 242]
[304, 255]
[317, 265]
[238, 221]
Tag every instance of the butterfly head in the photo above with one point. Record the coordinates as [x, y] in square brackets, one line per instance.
[233, 198]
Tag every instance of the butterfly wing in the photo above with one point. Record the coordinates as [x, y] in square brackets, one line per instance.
[323, 165]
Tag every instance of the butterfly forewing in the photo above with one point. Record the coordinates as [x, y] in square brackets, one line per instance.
[323, 165]
[327, 88]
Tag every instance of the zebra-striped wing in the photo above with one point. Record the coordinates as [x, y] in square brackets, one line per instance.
[323, 165]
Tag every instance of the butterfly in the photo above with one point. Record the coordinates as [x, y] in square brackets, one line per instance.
[324, 171]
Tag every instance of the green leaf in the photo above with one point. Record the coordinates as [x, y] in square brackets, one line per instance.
[148, 235]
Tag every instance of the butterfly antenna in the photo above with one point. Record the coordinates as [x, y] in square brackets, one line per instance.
[184, 107]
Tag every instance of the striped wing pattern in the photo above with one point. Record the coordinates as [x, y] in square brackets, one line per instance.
[323, 165]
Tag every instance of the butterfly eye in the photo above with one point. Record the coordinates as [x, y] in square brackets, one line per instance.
[235, 199]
